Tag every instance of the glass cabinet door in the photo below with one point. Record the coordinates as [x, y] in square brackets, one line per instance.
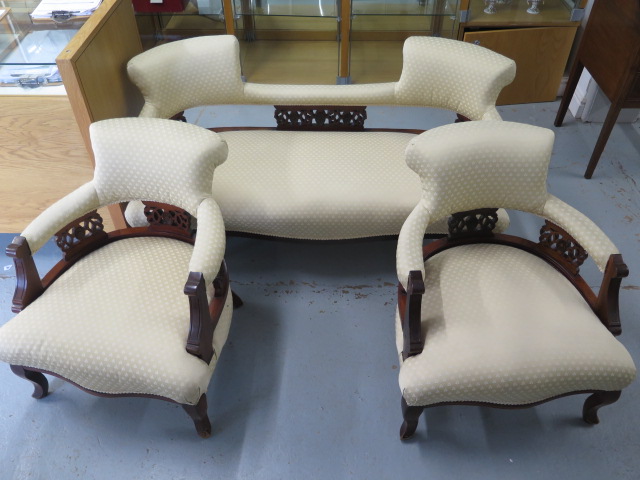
[204, 17]
[288, 41]
[379, 28]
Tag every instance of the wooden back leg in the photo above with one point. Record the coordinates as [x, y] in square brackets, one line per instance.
[593, 403]
[39, 381]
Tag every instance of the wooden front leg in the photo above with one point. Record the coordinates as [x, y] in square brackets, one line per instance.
[28, 283]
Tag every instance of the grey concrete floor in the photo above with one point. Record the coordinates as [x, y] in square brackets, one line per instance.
[307, 384]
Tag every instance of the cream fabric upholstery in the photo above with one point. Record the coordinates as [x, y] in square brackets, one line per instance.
[301, 185]
[174, 161]
[436, 73]
[188, 73]
[364, 94]
[210, 241]
[453, 75]
[586, 233]
[48, 223]
[127, 338]
[486, 340]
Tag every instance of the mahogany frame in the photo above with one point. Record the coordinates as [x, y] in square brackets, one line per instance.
[558, 249]
[85, 235]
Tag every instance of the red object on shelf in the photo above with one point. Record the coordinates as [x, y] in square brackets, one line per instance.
[159, 6]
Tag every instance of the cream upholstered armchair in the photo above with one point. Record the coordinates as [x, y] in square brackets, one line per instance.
[493, 319]
[136, 312]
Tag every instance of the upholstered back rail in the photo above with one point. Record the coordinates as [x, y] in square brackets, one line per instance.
[436, 72]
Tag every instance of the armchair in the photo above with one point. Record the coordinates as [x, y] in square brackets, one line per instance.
[136, 312]
[492, 319]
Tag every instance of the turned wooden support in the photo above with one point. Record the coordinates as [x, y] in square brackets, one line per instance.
[409, 305]
[607, 307]
[200, 339]
[28, 283]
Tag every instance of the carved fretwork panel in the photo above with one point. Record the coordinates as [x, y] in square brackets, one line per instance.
[473, 223]
[563, 246]
[77, 235]
[320, 118]
[164, 217]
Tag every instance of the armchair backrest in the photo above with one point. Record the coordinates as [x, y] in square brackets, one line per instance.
[154, 159]
[489, 164]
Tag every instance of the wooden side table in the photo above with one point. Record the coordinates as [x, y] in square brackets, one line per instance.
[610, 51]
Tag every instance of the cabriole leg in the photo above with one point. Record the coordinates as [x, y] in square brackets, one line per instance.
[198, 414]
[593, 403]
[411, 416]
[39, 381]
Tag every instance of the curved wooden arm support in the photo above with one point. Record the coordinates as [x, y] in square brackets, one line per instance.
[607, 307]
[28, 283]
[409, 307]
[205, 317]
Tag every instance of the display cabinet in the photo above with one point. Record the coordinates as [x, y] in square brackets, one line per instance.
[308, 41]
[537, 34]
[379, 28]
[28, 46]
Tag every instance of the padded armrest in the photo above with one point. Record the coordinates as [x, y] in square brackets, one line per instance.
[48, 223]
[208, 250]
[582, 229]
[409, 252]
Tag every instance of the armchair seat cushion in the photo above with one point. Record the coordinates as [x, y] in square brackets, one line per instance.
[316, 185]
[502, 326]
[117, 323]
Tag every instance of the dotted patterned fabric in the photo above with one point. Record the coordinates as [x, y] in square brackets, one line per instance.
[48, 223]
[488, 164]
[174, 161]
[502, 326]
[188, 73]
[586, 233]
[127, 338]
[454, 75]
[437, 72]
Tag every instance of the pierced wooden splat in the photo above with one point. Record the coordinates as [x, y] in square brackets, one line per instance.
[320, 118]
[476, 223]
[562, 246]
[163, 217]
[84, 232]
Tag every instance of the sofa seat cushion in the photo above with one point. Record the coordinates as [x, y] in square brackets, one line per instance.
[117, 323]
[502, 326]
[316, 185]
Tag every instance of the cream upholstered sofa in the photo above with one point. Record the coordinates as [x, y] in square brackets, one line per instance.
[492, 319]
[320, 174]
[135, 312]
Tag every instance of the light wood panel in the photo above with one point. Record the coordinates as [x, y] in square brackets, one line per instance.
[540, 55]
[298, 62]
[42, 157]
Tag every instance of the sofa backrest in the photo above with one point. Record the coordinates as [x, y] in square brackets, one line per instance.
[437, 72]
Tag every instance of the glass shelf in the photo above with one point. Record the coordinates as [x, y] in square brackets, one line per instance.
[28, 49]
[517, 12]
[288, 8]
